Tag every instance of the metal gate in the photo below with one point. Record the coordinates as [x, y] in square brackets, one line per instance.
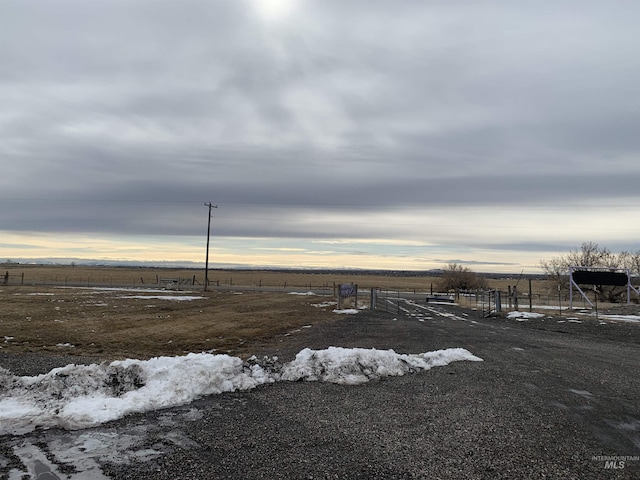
[490, 302]
[385, 300]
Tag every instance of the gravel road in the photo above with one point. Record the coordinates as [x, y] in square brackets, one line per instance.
[552, 399]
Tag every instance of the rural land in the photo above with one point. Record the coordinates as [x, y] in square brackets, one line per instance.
[553, 393]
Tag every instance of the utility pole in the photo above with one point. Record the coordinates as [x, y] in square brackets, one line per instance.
[206, 263]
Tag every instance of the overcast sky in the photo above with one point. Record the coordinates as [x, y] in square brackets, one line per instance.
[393, 134]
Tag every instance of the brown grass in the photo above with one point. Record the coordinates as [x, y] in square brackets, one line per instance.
[147, 277]
[108, 325]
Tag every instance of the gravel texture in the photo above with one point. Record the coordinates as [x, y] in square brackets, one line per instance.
[549, 397]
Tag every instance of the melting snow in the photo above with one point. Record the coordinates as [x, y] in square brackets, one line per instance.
[80, 396]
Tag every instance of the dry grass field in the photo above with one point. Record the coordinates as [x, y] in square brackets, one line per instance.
[115, 324]
[146, 276]
[84, 311]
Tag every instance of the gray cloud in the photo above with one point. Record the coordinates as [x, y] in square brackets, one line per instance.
[124, 117]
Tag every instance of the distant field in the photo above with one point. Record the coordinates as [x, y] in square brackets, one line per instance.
[145, 276]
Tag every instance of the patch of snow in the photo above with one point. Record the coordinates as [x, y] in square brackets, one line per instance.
[122, 289]
[524, 315]
[177, 298]
[302, 293]
[81, 396]
[324, 304]
[622, 318]
[549, 307]
[347, 311]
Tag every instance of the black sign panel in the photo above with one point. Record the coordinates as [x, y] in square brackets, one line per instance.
[584, 277]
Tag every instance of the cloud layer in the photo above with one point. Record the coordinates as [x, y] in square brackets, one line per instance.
[338, 121]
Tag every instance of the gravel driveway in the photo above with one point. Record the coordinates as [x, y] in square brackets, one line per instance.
[552, 399]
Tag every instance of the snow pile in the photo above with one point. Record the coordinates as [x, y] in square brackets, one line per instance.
[80, 396]
[352, 366]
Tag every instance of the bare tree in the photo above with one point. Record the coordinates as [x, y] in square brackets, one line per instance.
[634, 262]
[590, 254]
[458, 277]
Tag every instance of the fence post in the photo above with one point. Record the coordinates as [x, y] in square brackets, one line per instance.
[355, 303]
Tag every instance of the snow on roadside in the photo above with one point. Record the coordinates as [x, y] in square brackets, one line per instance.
[81, 396]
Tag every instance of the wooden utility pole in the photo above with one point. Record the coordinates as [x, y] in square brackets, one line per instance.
[206, 263]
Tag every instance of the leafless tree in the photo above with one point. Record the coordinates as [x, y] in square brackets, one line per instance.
[590, 254]
[458, 277]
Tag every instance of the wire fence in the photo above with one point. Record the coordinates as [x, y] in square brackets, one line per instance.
[487, 302]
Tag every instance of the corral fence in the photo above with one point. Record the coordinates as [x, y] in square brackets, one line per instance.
[487, 303]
